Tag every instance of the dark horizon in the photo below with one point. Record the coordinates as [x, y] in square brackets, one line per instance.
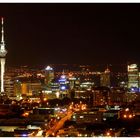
[88, 33]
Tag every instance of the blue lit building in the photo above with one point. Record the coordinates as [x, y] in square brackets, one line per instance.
[64, 84]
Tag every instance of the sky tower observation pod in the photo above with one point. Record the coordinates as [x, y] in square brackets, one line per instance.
[3, 53]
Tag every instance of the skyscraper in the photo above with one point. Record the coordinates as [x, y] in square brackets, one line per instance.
[49, 75]
[3, 53]
[133, 77]
[105, 78]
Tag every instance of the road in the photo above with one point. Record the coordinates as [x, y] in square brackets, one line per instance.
[59, 124]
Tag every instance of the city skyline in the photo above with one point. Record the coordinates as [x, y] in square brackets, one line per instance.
[69, 70]
[71, 33]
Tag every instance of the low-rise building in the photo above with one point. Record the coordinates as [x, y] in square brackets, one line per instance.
[89, 116]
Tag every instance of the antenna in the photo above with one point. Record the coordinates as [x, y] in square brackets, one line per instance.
[2, 30]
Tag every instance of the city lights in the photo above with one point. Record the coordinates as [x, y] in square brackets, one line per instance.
[70, 74]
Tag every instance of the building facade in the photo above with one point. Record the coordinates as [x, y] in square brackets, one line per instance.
[105, 78]
[133, 77]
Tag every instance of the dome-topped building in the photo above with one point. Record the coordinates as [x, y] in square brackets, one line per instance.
[49, 75]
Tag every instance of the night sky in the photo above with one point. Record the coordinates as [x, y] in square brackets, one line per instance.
[40, 34]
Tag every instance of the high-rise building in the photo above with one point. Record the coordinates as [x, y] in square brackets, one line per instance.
[63, 82]
[72, 80]
[26, 88]
[105, 78]
[3, 53]
[101, 96]
[49, 75]
[133, 77]
[9, 85]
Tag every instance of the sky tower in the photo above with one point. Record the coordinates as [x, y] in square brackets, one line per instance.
[3, 53]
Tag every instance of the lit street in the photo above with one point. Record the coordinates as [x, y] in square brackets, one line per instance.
[70, 70]
[59, 124]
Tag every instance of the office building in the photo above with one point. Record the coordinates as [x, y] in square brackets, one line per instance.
[133, 78]
[49, 75]
[105, 78]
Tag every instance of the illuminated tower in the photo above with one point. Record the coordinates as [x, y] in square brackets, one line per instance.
[3, 53]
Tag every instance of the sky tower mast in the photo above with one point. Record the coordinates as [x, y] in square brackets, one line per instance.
[3, 53]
